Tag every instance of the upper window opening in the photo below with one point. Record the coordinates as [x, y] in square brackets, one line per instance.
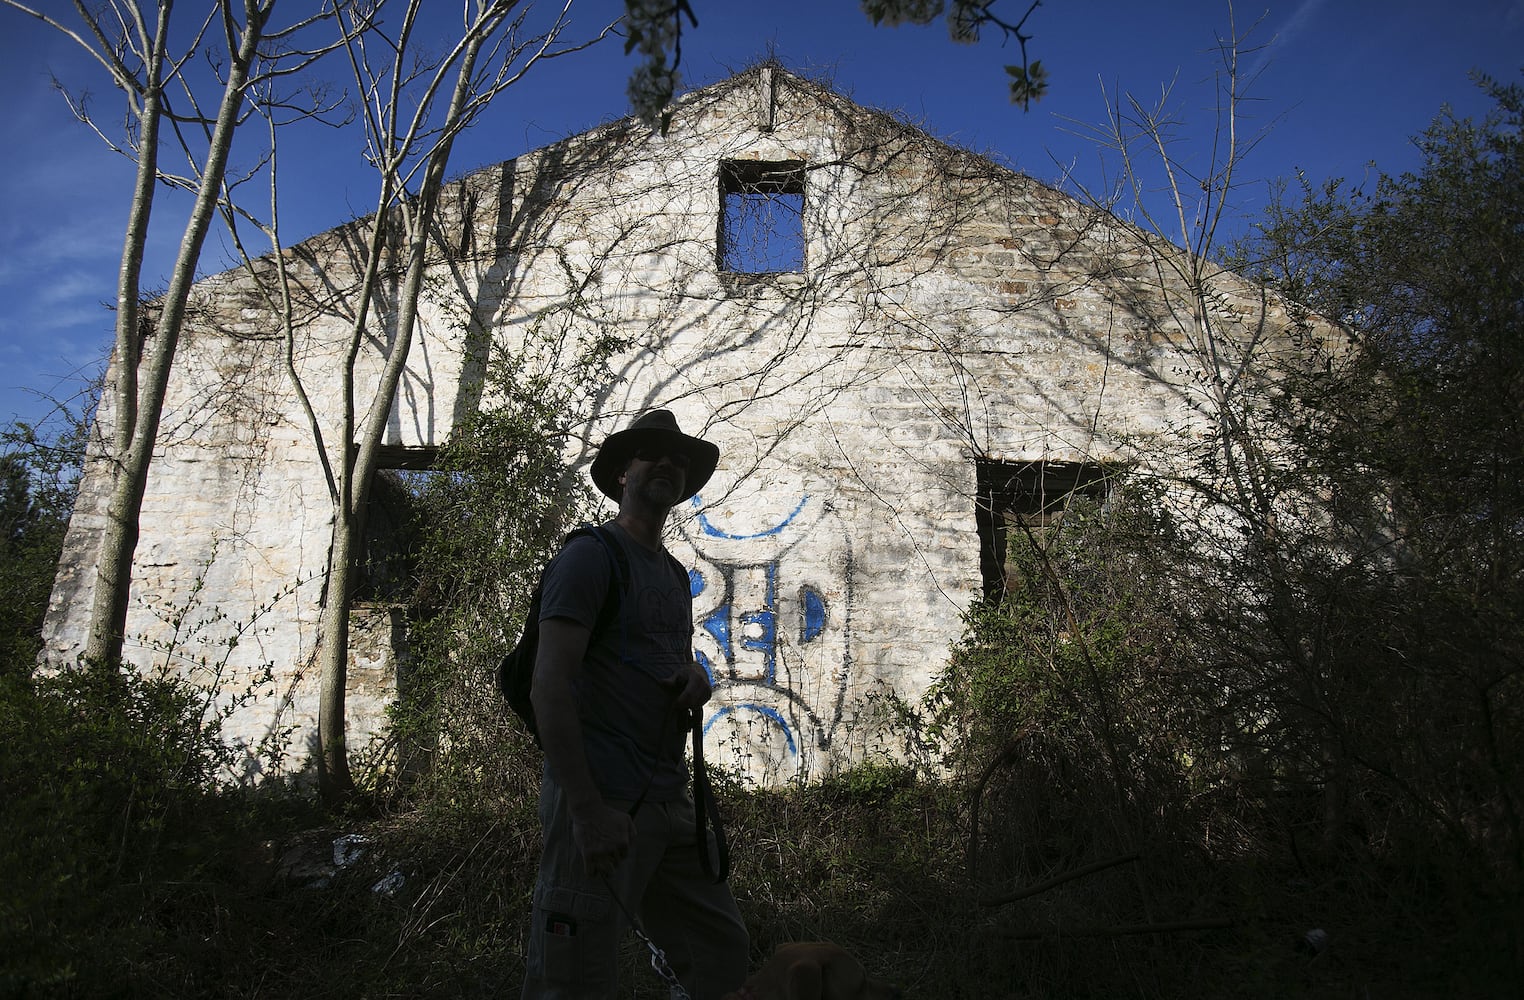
[1034, 494]
[761, 217]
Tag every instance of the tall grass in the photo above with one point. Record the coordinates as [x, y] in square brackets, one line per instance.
[130, 873]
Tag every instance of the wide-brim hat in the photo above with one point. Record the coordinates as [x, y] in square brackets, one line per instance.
[656, 428]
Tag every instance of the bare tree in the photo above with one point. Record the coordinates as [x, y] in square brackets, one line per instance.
[415, 103]
[1270, 539]
[168, 105]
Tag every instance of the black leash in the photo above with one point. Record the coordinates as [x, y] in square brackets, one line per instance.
[705, 812]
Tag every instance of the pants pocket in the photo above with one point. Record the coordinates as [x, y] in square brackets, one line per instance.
[574, 941]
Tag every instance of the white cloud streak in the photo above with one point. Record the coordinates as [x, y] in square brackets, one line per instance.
[1305, 12]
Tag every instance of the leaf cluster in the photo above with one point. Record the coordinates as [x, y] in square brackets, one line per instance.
[966, 20]
[655, 27]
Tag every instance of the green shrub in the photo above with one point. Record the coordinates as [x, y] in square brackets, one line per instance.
[108, 782]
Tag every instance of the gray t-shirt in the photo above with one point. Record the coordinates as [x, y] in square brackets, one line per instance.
[633, 736]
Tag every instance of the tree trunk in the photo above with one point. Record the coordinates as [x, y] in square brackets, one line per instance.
[360, 458]
[335, 782]
[139, 393]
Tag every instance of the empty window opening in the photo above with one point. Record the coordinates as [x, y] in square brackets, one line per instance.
[761, 217]
[393, 526]
[1018, 495]
[388, 565]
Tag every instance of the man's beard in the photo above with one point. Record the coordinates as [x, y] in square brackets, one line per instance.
[660, 491]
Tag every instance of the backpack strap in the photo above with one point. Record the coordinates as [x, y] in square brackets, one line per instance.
[619, 578]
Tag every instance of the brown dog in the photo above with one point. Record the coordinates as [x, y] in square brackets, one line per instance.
[812, 970]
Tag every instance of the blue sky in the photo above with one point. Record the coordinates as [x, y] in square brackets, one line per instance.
[1342, 83]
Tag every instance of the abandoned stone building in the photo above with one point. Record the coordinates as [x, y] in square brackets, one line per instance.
[897, 344]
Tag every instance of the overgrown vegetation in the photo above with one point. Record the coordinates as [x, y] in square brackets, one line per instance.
[492, 516]
[1116, 719]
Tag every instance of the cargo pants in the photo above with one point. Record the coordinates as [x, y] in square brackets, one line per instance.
[576, 927]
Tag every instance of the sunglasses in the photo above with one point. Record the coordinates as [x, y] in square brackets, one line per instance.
[656, 454]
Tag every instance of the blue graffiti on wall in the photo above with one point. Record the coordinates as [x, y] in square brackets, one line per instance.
[709, 529]
[771, 715]
[745, 619]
